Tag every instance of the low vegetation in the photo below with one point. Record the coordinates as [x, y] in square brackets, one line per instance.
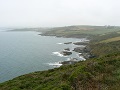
[81, 31]
[111, 40]
[99, 73]
[94, 74]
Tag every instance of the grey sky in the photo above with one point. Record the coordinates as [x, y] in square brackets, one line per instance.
[49, 13]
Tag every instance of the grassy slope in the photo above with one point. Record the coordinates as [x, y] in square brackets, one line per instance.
[76, 31]
[102, 72]
[111, 40]
[99, 46]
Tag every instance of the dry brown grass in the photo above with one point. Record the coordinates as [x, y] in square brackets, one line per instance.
[111, 40]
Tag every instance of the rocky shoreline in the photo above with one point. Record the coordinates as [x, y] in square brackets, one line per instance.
[81, 48]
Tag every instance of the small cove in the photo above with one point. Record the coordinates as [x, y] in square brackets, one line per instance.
[26, 52]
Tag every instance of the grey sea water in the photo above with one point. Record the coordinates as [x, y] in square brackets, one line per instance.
[26, 52]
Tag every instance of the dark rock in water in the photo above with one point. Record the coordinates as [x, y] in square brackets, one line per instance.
[67, 49]
[79, 49]
[68, 43]
[81, 43]
[70, 61]
[40, 34]
[65, 53]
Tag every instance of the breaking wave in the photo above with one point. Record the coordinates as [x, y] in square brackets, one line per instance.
[58, 54]
[56, 64]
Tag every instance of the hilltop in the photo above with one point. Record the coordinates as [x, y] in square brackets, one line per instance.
[80, 31]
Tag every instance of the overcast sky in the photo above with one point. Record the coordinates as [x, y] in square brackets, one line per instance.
[50, 13]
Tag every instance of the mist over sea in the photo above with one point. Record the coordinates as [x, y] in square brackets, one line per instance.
[26, 52]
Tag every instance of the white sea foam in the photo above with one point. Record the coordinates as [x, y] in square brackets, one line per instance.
[82, 58]
[71, 59]
[83, 40]
[56, 64]
[59, 43]
[79, 53]
[82, 45]
[58, 54]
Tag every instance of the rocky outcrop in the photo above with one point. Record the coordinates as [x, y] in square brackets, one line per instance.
[70, 61]
[68, 43]
[65, 53]
[78, 49]
[67, 49]
[81, 43]
[84, 51]
[87, 55]
[81, 49]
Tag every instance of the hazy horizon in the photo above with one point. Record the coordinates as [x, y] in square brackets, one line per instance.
[58, 13]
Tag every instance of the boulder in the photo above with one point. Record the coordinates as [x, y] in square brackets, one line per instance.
[66, 53]
[80, 43]
[70, 61]
[67, 49]
[81, 49]
[78, 49]
[68, 43]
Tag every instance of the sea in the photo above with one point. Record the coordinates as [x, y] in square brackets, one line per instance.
[23, 52]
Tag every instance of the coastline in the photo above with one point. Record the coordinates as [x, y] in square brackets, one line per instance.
[37, 39]
[78, 49]
[81, 48]
[96, 73]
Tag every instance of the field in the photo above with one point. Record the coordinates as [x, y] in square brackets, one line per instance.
[111, 40]
[74, 31]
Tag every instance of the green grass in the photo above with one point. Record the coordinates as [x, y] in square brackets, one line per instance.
[102, 72]
[73, 31]
[92, 74]
[99, 73]
[111, 40]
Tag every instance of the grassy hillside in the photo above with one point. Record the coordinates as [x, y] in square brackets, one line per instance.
[105, 44]
[111, 40]
[99, 73]
[94, 74]
[78, 31]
